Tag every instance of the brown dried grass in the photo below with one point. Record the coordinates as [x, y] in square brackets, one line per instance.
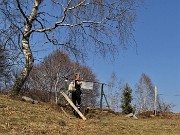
[22, 118]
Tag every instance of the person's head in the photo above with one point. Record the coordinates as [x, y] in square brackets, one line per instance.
[77, 76]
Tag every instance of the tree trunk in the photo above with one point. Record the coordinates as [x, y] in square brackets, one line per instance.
[26, 49]
[28, 66]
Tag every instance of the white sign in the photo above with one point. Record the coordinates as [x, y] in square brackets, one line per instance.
[87, 85]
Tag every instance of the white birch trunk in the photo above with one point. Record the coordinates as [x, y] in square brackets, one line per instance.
[55, 88]
[26, 50]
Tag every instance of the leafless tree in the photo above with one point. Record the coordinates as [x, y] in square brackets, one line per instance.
[111, 86]
[3, 65]
[49, 77]
[115, 89]
[145, 94]
[5, 69]
[49, 74]
[77, 26]
[163, 106]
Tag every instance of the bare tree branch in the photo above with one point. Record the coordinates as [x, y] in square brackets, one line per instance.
[18, 3]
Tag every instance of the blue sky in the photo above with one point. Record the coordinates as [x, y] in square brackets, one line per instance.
[157, 33]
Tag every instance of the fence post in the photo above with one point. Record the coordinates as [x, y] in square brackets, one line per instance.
[155, 100]
[102, 93]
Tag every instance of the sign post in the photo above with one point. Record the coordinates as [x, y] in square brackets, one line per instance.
[102, 94]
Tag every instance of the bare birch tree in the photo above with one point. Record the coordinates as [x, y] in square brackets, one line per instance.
[111, 85]
[77, 26]
[145, 94]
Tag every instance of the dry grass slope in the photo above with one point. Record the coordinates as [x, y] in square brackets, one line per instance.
[23, 118]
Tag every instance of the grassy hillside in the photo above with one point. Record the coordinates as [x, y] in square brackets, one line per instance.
[22, 118]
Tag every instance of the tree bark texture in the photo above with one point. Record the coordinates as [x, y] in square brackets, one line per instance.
[29, 60]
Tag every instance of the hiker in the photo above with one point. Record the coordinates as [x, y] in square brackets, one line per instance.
[76, 95]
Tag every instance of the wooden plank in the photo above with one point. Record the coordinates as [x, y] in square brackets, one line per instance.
[72, 104]
[65, 113]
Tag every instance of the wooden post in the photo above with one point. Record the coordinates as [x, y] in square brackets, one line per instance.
[155, 100]
[72, 104]
[102, 93]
